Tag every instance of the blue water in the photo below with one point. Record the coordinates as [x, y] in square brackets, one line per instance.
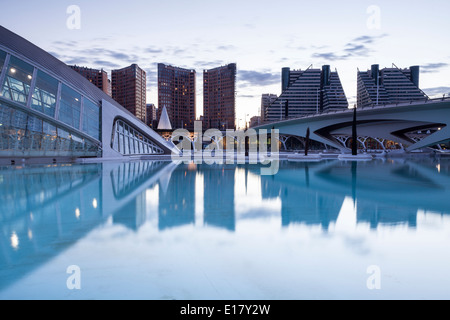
[158, 230]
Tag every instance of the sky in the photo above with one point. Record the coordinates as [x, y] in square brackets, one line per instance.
[261, 37]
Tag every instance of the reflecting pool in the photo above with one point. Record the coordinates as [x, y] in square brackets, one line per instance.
[164, 231]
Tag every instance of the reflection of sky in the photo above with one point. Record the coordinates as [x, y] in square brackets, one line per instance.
[220, 247]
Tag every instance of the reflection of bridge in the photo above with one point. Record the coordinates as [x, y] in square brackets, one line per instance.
[384, 194]
[55, 207]
[414, 125]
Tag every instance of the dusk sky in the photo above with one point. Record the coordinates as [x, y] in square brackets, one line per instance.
[260, 36]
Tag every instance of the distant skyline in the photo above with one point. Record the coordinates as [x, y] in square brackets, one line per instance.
[261, 37]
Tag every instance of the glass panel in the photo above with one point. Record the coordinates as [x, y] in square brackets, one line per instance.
[2, 59]
[49, 129]
[5, 116]
[134, 141]
[63, 134]
[132, 146]
[19, 120]
[91, 119]
[16, 85]
[126, 150]
[116, 142]
[34, 124]
[70, 107]
[24, 135]
[44, 95]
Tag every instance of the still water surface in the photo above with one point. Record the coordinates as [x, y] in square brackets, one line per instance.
[158, 230]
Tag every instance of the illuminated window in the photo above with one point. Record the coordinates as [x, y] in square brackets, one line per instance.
[16, 85]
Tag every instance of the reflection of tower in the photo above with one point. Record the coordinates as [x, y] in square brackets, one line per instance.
[376, 214]
[133, 214]
[219, 197]
[177, 202]
[308, 208]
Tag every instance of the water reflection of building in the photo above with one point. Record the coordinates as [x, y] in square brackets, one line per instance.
[376, 214]
[46, 209]
[301, 203]
[177, 201]
[43, 211]
[219, 196]
[129, 181]
[313, 193]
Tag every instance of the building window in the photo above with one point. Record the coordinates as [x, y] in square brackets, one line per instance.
[22, 135]
[16, 85]
[91, 119]
[44, 95]
[70, 107]
[2, 59]
[130, 141]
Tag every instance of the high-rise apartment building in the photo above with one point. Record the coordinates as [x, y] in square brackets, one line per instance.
[176, 92]
[388, 86]
[129, 88]
[266, 101]
[151, 115]
[98, 77]
[219, 97]
[307, 92]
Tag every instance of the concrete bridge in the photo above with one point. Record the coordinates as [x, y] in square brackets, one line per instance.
[413, 125]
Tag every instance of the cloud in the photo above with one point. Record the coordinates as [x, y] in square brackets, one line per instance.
[209, 64]
[103, 63]
[77, 61]
[358, 47]
[226, 48]
[331, 56]
[256, 78]
[248, 96]
[153, 50]
[437, 91]
[433, 67]
[56, 55]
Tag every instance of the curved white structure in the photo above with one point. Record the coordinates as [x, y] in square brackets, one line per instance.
[48, 110]
[393, 122]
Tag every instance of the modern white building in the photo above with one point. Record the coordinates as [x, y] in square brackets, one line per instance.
[49, 111]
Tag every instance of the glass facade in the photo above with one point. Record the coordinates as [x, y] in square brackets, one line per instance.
[70, 107]
[45, 93]
[25, 133]
[16, 85]
[130, 141]
[2, 59]
[91, 119]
